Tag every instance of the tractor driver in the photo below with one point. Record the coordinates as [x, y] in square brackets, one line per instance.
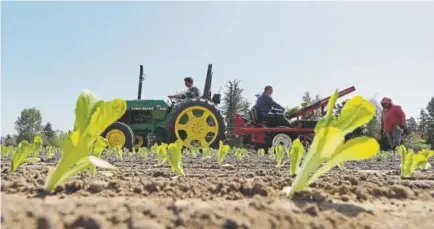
[192, 91]
[269, 110]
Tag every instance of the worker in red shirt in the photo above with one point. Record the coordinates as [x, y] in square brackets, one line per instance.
[393, 122]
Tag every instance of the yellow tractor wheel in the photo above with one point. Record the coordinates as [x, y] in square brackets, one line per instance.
[119, 134]
[197, 122]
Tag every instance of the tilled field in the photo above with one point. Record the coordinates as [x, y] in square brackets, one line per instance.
[368, 194]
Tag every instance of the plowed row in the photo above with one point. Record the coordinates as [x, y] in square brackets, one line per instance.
[247, 194]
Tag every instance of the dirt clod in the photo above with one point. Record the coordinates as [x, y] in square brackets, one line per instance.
[147, 224]
[97, 186]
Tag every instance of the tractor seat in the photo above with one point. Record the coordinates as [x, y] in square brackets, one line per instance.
[253, 113]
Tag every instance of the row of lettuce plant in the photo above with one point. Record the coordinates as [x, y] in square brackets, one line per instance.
[82, 148]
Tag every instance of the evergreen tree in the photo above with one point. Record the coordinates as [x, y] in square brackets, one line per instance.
[233, 102]
[412, 124]
[373, 127]
[430, 123]
[423, 120]
[48, 130]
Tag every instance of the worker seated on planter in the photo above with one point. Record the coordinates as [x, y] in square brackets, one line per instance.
[270, 111]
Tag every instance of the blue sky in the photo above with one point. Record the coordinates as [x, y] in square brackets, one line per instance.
[53, 50]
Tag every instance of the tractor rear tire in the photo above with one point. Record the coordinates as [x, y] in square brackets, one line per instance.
[196, 104]
[124, 135]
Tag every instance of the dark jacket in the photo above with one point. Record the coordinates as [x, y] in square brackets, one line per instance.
[265, 103]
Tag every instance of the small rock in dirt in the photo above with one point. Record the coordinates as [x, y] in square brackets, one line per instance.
[228, 167]
[399, 192]
[354, 181]
[345, 198]
[311, 210]
[18, 183]
[137, 190]
[74, 186]
[432, 194]
[146, 224]
[360, 193]
[43, 222]
[318, 196]
[87, 222]
[343, 190]
[230, 224]
[158, 174]
[97, 186]
[6, 185]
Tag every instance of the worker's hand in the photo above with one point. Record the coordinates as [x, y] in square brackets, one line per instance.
[404, 129]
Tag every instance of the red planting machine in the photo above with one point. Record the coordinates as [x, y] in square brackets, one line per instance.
[257, 133]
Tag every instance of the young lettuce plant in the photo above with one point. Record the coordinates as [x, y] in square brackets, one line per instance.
[174, 156]
[92, 117]
[162, 154]
[143, 152]
[410, 161]
[6, 150]
[98, 147]
[280, 154]
[427, 153]
[329, 148]
[24, 149]
[50, 151]
[272, 152]
[261, 152]
[222, 152]
[295, 154]
[240, 153]
[206, 153]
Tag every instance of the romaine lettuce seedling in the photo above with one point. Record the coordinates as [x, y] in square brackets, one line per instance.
[174, 156]
[240, 153]
[329, 148]
[92, 117]
[410, 161]
[295, 154]
[206, 152]
[162, 154]
[261, 152]
[427, 153]
[24, 149]
[280, 154]
[222, 152]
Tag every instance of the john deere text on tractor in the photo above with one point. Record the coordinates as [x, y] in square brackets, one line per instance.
[197, 121]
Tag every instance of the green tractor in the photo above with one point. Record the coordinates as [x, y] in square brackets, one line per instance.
[196, 121]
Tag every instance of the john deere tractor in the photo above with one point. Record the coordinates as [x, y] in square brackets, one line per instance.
[197, 121]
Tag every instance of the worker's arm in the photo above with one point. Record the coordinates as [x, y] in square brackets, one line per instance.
[401, 117]
[273, 104]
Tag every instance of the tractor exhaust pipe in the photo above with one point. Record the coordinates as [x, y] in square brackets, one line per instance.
[208, 81]
[139, 95]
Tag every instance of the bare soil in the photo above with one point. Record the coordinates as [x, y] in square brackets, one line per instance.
[247, 194]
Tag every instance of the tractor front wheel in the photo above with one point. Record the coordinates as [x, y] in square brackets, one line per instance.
[197, 122]
[119, 134]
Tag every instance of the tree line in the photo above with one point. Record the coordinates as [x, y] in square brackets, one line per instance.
[29, 124]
